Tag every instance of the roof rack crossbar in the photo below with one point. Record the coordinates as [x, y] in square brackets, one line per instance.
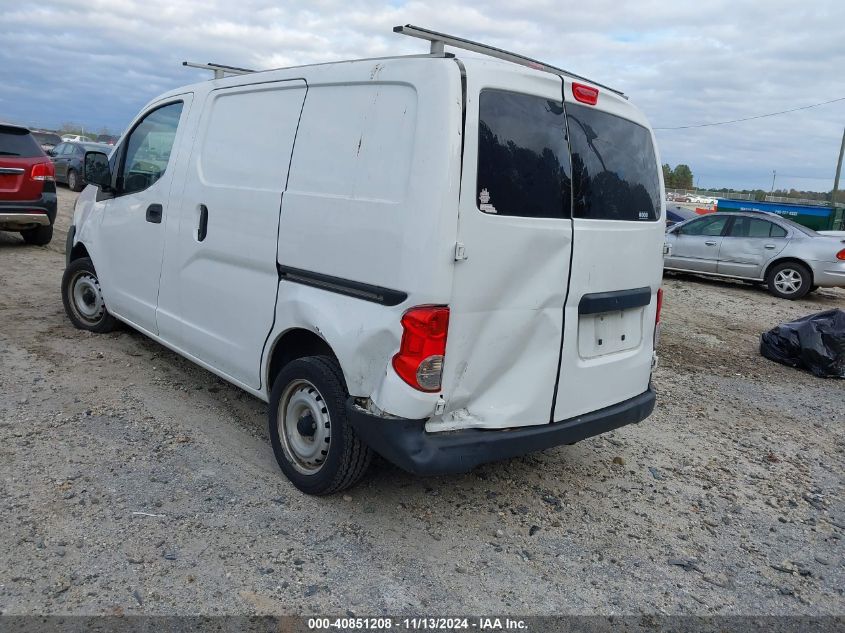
[219, 70]
[439, 40]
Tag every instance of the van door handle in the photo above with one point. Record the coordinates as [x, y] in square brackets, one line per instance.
[710, 243]
[202, 229]
[154, 213]
[770, 246]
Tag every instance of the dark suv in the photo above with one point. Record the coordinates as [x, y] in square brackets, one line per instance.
[68, 159]
[27, 186]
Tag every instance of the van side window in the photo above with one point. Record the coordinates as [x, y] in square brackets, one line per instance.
[148, 148]
[523, 158]
[614, 167]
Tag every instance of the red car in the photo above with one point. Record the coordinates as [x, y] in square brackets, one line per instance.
[27, 186]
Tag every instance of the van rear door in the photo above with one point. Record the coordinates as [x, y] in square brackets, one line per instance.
[515, 233]
[609, 315]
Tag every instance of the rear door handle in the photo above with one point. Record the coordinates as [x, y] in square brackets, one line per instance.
[202, 229]
[154, 213]
[770, 246]
[710, 243]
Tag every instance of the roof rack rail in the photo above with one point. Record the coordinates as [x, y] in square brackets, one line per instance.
[219, 70]
[438, 40]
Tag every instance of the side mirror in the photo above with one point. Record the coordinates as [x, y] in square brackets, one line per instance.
[50, 152]
[97, 170]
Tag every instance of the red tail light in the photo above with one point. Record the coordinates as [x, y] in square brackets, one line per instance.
[841, 254]
[420, 358]
[43, 171]
[585, 94]
[659, 305]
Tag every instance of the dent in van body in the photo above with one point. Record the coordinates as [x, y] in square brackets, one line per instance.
[364, 345]
[505, 328]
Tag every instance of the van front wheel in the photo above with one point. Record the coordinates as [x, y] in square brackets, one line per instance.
[312, 439]
[83, 298]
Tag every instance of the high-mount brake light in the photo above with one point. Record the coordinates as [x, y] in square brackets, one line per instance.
[585, 94]
[420, 359]
[43, 171]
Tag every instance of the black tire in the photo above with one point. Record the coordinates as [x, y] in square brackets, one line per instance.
[74, 182]
[39, 236]
[316, 380]
[787, 275]
[83, 299]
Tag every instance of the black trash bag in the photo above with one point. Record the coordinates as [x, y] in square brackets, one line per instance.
[815, 342]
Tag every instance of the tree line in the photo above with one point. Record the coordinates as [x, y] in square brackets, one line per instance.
[678, 178]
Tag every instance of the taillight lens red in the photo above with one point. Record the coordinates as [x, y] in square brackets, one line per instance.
[43, 171]
[420, 359]
[841, 254]
[585, 94]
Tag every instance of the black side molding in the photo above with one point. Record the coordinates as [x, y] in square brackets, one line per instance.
[597, 302]
[357, 289]
[71, 232]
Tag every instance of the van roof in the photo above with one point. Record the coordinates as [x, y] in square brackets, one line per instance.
[438, 43]
[368, 69]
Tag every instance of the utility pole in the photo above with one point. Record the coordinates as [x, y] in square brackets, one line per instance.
[838, 173]
[772, 190]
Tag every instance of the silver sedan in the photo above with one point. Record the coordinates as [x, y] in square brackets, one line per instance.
[789, 258]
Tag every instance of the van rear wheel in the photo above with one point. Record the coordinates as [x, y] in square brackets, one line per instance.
[314, 444]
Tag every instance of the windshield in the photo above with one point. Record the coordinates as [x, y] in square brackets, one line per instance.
[614, 167]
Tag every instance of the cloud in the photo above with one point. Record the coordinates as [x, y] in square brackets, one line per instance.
[683, 63]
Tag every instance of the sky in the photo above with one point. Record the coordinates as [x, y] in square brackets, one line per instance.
[96, 63]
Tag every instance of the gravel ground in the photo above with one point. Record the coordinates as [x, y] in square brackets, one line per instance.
[132, 481]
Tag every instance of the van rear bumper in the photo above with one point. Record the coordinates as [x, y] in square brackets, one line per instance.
[406, 443]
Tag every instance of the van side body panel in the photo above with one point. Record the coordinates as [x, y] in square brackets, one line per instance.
[224, 261]
[372, 199]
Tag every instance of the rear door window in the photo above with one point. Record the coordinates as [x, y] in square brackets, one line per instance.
[752, 227]
[18, 142]
[614, 167]
[777, 231]
[523, 159]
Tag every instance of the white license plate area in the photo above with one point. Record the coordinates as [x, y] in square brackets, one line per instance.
[609, 332]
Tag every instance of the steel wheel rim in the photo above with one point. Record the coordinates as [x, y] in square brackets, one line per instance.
[86, 298]
[71, 180]
[788, 281]
[302, 408]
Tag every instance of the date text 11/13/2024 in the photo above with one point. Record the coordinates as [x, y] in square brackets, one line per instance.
[417, 624]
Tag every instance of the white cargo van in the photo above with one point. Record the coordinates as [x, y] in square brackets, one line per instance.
[444, 260]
